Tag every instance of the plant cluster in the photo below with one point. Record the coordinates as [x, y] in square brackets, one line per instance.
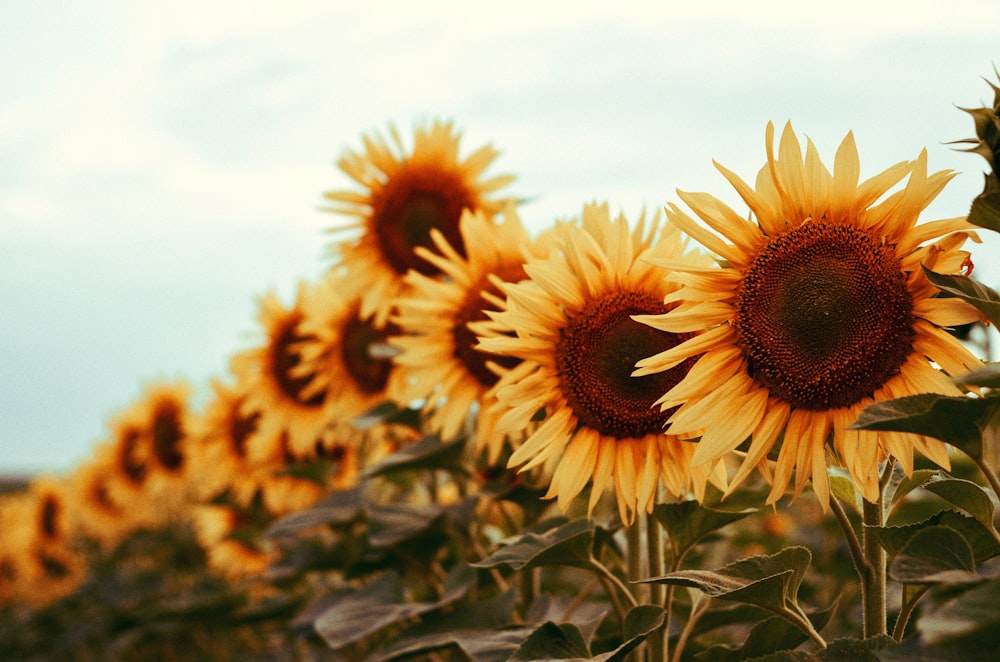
[714, 434]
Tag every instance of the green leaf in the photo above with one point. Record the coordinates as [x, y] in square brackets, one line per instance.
[935, 554]
[427, 454]
[552, 642]
[843, 489]
[967, 495]
[687, 522]
[476, 628]
[570, 544]
[900, 484]
[352, 616]
[957, 420]
[395, 523]
[984, 546]
[981, 296]
[968, 614]
[338, 509]
[988, 376]
[771, 582]
[775, 633]
[985, 211]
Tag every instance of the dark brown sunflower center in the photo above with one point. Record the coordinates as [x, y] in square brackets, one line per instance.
[131, 465]
[167, 435]
[465, 341]
[824, 316]
[413, 203]
[368, 370]
[285, 358]
[49, 519]
[596, 357]
[241, 426]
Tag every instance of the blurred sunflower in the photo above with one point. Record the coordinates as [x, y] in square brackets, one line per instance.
[97, 513]
[439, 359]
[571, 324]
[290, 408]
[229, 537]
[221, 440]
[166, 414]
[348, 359]
[405, 195]
[818, 308]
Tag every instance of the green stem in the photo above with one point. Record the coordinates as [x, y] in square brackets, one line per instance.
[603, 571]
[989, 474]
[873, 581]
[697, 609]
[635, 560]
[905, 610]
[853, 544]
[657, 592]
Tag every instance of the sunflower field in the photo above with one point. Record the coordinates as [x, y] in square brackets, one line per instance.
[715, 434]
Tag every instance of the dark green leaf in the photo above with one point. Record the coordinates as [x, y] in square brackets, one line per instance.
[337, 509]
[552, 642]
[967, 614]
[935, 554]
[392, 524]
[427, 454]
[771, 582]
[957, 420]
[388, 412]
[988, 376]
[570, 544]
[965, 494]
[478, 629]
[984, 546]
[838, 650]
[985, 211]
[981, 296]
[900, 484]
[687, 522]
[775, 633]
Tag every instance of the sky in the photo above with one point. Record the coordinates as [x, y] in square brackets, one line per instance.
[162, 164]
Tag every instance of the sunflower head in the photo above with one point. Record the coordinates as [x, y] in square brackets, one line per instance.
[818, 307]
[407, 193]
[572, 325]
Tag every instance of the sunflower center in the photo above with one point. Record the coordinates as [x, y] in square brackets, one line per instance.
[474, 310]
[412, 205]
[824, 316]
[167, 435]
[596, 357]
[50, 517]
[369, 371]
[285, 357]
[132, 466]
[240, 428]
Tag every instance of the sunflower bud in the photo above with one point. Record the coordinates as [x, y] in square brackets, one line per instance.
[985, 210]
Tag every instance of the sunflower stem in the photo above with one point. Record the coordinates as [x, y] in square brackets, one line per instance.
[899, 629]
[873, 582]
[853, 544]
[604, 572]
[635, 560]
[654, 558]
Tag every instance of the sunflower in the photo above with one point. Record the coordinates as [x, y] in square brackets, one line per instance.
[405, 195]
[439, 358]
[348, 359]
[290, 408]
[818, 307]
[222, 437]
[571, 326]
[228, 536]
[97, 514]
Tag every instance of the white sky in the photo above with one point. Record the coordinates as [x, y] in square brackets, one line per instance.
[162, 164]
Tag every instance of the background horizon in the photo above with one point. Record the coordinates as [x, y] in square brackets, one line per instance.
[162, 167]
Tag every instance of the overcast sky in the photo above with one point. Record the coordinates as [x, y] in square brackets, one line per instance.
[162, 164]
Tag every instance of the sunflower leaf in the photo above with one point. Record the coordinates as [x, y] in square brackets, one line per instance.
[771, 582]
[565, 642]
[967, 495]
[900, 484]
[569, 544]
[339, 508]
[985, 211]
[981, 296]
[687, 522]
[932, 555]
[982, 542]
[969, 617]
[957, 420]
[428, 453]
[988, 376]
[477, 629]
